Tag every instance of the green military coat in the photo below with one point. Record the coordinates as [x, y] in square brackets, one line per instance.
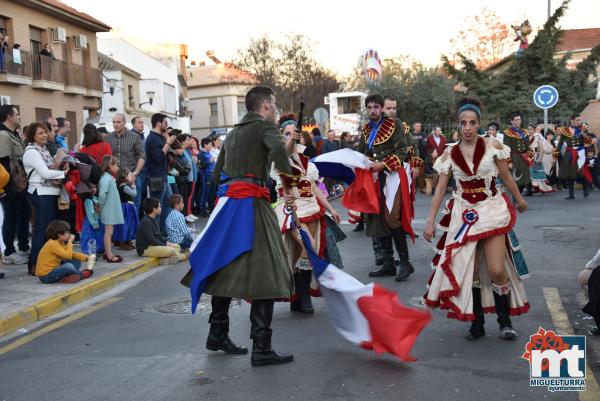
[393, 145]
[263, 273]
[518, 142]
[571, 138]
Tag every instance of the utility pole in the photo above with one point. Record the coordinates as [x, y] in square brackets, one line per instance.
[549, 8]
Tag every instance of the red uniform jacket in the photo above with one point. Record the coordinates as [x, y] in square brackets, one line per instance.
[432, 145]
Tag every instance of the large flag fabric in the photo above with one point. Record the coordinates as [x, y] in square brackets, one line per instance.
[215, 247]
[354, 169]
[367, 315]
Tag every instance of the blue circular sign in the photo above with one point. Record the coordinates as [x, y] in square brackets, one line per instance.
[545, 97]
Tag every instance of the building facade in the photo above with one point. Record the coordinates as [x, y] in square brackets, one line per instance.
[159, 82]
[217, 97]
[66, 84]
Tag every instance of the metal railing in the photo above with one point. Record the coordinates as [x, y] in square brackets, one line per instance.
[48, 69]
[16, 66]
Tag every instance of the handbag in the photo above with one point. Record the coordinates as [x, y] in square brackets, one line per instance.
[157, 184]
[18, 178]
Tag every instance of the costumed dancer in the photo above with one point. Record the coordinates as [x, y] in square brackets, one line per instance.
[572, 143]
[539, 181]
[477, 268]
[388, 143]
[311, 208]
[521, 155]
[240, 253]
[92, 228]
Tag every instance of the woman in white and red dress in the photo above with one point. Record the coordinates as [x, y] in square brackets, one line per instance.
[474, 271]
[311, 206]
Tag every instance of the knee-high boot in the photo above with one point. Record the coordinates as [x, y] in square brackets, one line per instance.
[218, 336]
[477, 329]
[405, 268]
[384, 252]
[303, 302]
[571, 186]
[502, 302]
[261, 314]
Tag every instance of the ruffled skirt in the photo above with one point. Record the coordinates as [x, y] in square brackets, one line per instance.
[450, 284]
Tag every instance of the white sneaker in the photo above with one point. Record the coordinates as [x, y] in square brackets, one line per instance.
[190, 218]
[24, 254]
[14, 259]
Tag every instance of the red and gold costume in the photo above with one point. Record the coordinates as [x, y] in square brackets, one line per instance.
[476, 211]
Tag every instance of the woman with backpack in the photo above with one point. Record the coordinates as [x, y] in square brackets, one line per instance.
[93, 144]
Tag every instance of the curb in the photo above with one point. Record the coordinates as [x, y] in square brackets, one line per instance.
[65, 299]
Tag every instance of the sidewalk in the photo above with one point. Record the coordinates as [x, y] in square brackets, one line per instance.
[25, 300]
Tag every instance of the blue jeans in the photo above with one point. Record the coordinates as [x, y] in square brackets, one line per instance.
[163, 196]
[17, 212]
[142, 192]
[208, 195]
[45, 207]
[186, 243]
[67, 268]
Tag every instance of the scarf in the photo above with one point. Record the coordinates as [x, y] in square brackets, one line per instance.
[374, 129]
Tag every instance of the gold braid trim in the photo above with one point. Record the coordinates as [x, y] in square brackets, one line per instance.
[513, 134]
[385, 131]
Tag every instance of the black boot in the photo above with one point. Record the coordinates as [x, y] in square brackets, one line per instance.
[261, 314]
[586, 188]
[303, 301]
[503, 311]
[477, 329]
[388, 268]
[359, 227]
[529, 191]
[218, 336]
[405, 268]
[571, 186]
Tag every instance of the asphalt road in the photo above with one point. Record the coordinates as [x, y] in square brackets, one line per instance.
[142, 344]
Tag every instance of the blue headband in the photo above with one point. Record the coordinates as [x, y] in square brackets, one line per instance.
[470, 106]
[288, 122]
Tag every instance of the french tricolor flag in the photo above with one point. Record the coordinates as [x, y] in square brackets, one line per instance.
[368, 315]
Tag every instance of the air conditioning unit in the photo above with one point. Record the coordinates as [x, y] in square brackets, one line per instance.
[4, 100]
[59, 34]
[81, 42]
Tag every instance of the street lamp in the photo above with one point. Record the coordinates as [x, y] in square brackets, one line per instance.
[111, 85]
[150, 95]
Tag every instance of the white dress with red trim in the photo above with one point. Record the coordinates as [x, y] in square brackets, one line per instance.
[476, 211]
[308, 208]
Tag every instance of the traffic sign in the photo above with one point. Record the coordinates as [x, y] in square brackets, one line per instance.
[545, 97]
[321, 115]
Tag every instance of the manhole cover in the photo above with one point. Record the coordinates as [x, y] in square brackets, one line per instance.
[185, 307]
[560, 228]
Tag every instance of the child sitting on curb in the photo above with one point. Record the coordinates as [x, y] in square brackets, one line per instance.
[178, 232]
[57, 261]
[149, 241]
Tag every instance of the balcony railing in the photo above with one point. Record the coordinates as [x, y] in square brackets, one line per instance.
[16, 66]
[94, 79]
[75, 75]
[48, 69]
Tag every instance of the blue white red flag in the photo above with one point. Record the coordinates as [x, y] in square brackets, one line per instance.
[228, 234]
[368, 315]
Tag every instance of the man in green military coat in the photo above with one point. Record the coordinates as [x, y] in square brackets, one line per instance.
[263, 273]
[386, 141]
[572, 138]
[521, 155]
